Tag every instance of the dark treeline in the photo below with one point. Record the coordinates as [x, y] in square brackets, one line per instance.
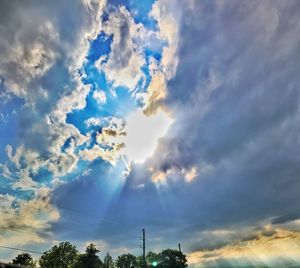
[65, 255]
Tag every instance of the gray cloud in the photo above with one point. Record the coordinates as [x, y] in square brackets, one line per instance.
[286, 218]
[274, 248]
[235, 98]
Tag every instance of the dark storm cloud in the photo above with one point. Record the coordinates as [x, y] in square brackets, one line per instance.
[235, 97]
[237, 78]
[239, 105]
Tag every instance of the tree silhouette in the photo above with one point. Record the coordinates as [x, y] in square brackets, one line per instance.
[170, 258]
[108, 262]
[126, 261]
[152, 259]
[89, 259]
[61, 256]
[24, 259]
[65, 255]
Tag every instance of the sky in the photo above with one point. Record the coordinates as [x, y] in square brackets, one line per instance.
[178, 116]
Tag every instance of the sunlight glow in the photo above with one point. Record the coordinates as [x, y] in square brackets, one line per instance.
[143, 133]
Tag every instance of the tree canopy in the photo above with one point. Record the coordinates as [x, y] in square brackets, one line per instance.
[61, 256]
[108, 261]
[89, 259]
[65, 255]
[24, 259]
[126, 261]
[171, 258]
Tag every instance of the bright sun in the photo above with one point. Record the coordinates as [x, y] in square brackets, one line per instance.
[143, 133]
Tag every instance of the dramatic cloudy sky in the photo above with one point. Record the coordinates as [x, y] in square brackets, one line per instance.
[181, 117]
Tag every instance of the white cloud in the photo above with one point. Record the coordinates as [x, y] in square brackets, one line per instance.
[168, 16]
[87, 31]
[93, 121]
[97, 152]
[99, 96]
[5, 172]
[191, 174]
[125, 60]
[110, 139]
[156, 91]
[25, 162]
[62, 164]
[172, 174]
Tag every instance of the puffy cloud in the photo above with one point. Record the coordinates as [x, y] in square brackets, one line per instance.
[87, 30]
[62, 164]
[156, 91]
[26, 59]
[56, 123]
[191, 174]
[93, 122]
[110, 140]
[40, 65]
[25, 162]
[173, 174]
[5, 172]
[125, 60]
[168, 16]
[159, 177]
[99, 96]
[24, 182]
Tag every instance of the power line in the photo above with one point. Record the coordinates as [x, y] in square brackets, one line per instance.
[22, 249]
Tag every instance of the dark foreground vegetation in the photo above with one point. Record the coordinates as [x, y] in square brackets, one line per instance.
[65, 255]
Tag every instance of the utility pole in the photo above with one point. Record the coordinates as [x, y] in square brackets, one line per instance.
[144, 249]
[179, 247]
